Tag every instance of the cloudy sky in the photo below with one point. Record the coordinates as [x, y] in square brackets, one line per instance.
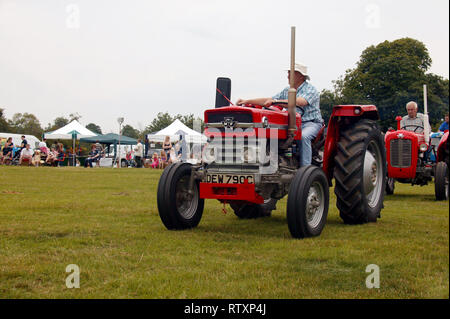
[135, 58]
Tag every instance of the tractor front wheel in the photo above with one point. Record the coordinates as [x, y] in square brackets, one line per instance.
[307, 205]
[390, 185]
[441, 181]
[360, 172]
[179, 207]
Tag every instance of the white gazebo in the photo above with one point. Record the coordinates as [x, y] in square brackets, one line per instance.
[68, 132]
[174, 130]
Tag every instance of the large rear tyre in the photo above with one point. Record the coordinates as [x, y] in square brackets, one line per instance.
[390, 185]
[441, 181]
[360, 172]
[246, 210]
[308, 200]
[178, 209]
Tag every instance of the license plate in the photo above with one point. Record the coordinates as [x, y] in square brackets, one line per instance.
[229, 178]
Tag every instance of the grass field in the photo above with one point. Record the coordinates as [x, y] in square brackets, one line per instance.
[106, 221]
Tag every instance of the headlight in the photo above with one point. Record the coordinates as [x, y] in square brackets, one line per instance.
[423, 147]
[249, 155]
[209, 155]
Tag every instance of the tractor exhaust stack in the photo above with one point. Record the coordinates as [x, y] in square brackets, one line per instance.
[292, 96]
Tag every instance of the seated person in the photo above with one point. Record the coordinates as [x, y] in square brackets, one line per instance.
[94, 156]
[308, 100]
[163, 160]
[36, 159]
[444, 126]
[155, 160]
[413, 121]
[52, 156]
[174, 158]
[7, 150]
[26, 154]
[43, 146]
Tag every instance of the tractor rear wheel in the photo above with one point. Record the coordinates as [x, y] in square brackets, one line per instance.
[179, 209]
[360, 172]
[246, 210]
[308, 200]
[441, 181]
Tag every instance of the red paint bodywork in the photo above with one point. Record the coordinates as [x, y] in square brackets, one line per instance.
[230, 192]
[274, 115]
[279, 116]
[442, 146]
[416, 141]
[339, 111]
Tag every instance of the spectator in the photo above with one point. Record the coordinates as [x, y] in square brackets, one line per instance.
[138, 154]
[444, 126]
[167, 147]
[43, 146]
[94, 156]
[26, 154]
[155, 161]
[162, 159]
[7, 150]
[99, 147]
[146, 146]
[174, 157]
[51, 156]
[24, 142]
[36, 159]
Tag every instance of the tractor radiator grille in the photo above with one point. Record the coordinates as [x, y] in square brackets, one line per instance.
[401, 153]
[238, 117]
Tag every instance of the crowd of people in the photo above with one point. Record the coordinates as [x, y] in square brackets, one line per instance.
[23, 154]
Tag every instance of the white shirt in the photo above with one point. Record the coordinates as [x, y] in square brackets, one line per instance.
[26, 152]
[139, 150]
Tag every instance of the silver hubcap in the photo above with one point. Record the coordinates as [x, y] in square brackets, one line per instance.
[372, 175]
[315, 205]
[186, 204]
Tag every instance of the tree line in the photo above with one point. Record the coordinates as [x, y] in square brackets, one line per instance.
[387, 75]
[27, 123]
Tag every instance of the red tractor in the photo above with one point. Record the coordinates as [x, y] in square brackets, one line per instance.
[251, 161]
[414, 158]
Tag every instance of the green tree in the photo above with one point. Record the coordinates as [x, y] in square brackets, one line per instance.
[94, 128]
[161, 121]
[130, 131]
[58, 122]
[391, 74]
[4, 125]
[26, 123]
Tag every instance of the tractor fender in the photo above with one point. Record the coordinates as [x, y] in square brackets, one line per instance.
[338, 114]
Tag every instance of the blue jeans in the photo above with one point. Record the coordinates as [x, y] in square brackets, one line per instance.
[309, 133]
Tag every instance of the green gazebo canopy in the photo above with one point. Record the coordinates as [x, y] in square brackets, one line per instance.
[110, 138]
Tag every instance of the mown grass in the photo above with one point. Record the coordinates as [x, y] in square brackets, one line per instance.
[106, 221]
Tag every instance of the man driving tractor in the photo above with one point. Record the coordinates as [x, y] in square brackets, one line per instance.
[307, 98]
[413, 121]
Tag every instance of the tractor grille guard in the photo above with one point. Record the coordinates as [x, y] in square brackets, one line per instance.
[400, 153]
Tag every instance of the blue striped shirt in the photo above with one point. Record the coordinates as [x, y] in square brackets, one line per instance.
[311, 95]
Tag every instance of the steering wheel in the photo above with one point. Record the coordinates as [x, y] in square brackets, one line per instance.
[298, 107]
[416, 127]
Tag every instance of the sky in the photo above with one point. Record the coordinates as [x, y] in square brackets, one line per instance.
[105, 59]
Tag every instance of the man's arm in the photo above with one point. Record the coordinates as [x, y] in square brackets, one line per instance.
[257, 101]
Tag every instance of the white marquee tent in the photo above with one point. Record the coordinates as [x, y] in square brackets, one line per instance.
[67, 132]
[31, 139]
[174, 130]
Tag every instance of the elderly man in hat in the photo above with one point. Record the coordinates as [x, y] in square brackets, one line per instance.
[308, 98]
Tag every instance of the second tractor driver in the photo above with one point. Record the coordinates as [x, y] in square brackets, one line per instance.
[308, 98]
